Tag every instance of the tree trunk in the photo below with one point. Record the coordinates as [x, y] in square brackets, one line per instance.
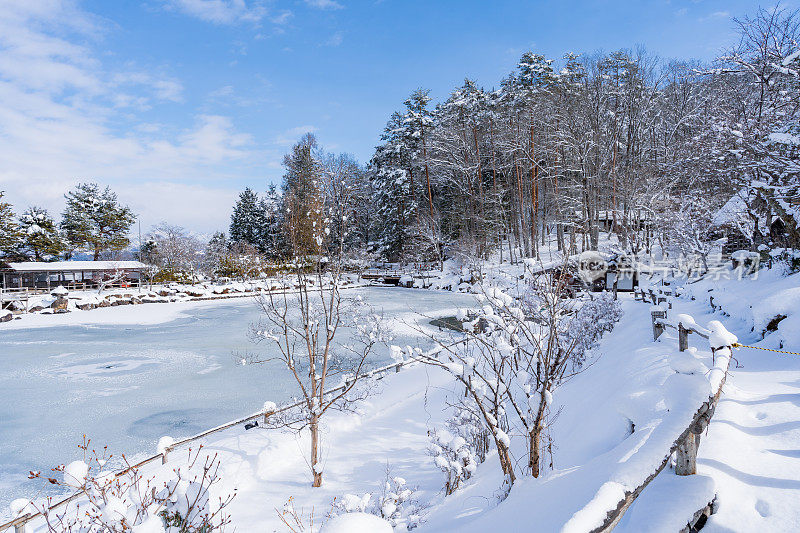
[505, 461]
[534, 457]
[315, 451]
[535, 437]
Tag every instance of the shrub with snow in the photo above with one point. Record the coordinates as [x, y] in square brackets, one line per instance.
[177, 503]
[396, 503]
[453, 456]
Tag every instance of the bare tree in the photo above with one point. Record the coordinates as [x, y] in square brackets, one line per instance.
[174, 250]
[319, 335]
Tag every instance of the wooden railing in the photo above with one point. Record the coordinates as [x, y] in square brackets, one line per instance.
[686, 444]
[373, 273]
[19, 523]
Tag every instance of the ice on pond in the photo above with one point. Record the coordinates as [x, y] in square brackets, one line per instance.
[125, 386]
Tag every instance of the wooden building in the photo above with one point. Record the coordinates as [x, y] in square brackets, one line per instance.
[74, 275]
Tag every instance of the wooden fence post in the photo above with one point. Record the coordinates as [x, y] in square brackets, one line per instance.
[683, 337]
[686, 456]
[658, 328]
[22, 526]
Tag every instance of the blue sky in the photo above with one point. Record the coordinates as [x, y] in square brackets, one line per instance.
[179, 104]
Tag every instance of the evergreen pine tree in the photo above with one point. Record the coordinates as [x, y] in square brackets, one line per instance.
[273, 235]
[10, 235]
[40, 235]
[248, 220]
[393, 177]
[95, 221]
[304, 198]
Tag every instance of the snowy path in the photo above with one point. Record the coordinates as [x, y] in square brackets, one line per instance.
[752, 449]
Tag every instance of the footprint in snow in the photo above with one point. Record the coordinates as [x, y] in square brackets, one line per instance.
[761, 415]
[763, 508]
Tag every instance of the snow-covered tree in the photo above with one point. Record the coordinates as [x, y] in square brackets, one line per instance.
[10, 234]
[248, 221]
[305, 199]
[176, 252]
[519, 351]
[41, 238]
[215, 251]
[95, 221]
[305, 327]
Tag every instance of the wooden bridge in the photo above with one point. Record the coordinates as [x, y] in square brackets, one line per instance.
[388, 276]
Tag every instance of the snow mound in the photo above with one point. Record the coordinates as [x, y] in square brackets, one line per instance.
[687, 362]
[59, 291]
[75, 474]
[357, 523]
[720, 337]
[164, 443]
[21, 506]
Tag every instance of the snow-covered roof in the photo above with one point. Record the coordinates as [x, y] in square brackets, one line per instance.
[734, 210]
[75, 266]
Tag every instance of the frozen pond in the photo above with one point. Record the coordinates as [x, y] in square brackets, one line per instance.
[127, 385]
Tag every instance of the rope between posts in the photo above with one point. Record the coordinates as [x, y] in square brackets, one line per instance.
[737, 345]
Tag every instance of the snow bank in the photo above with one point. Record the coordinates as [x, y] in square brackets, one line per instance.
[593, 514]
[357, 523]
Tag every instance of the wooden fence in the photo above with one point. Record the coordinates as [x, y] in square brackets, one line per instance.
[686, 445]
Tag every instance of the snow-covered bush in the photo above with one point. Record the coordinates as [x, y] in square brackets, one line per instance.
[518, 351]
[396, 503]
[592, 319]
[130, 502]
[453, 456]
[466, 423]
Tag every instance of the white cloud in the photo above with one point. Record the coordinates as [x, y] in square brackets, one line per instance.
[65, 118]
[715, 15]
[221, 11]
[282, 18]
[225, 90]
[293, 135]
[324, 4]
[162, 88]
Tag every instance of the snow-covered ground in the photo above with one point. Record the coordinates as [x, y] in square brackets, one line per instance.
[627, 385]
[752, 450]
[127, 375]
[618, 420]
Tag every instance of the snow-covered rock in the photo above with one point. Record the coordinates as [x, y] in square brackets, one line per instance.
[60, 291]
